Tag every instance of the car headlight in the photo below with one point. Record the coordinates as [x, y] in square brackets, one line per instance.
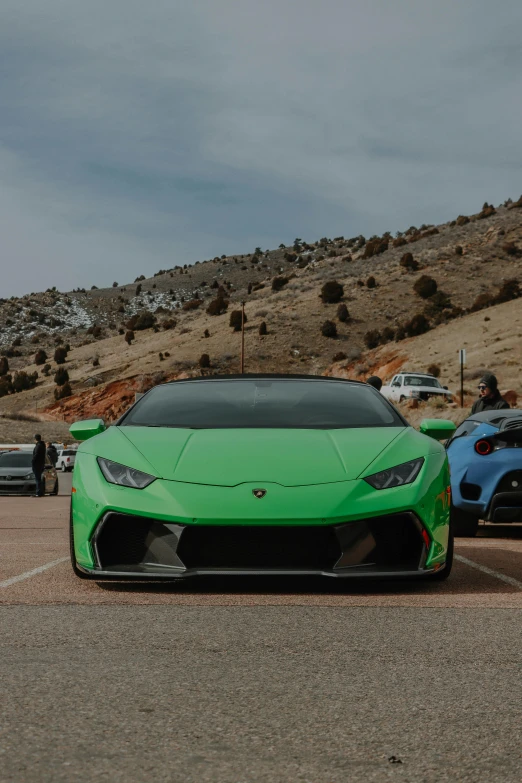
[397, 476]
[29, 476]
[115, 473]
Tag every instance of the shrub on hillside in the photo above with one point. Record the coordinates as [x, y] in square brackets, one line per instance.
[329, 329]
[332, 292]
[192, 304]
[339, 357]
[408, 262]
[60, 356]
[46, 369]
[462, 220]
[372, 338]
[61, 376]
[419, 324]
[204, 360]
[262, 328]
[483, 300]
[387, 334]
[511, 249]
[145, 320]
[279, 282]
[434, 370]
[217, 306]
[487, 211]
[5, 386]
[342, 313]
[371, 282]
[236, 319]
[4, 365]
[169, 323]
[61, 392]
[509, 290]
[40, 357]
[399, 242]
[458, 250]
[23, 380]
[129, 336]
[375, 247]
[425, 286]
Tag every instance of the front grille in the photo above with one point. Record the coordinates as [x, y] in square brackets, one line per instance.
[14, 489]
[392, 542]
[296, 547]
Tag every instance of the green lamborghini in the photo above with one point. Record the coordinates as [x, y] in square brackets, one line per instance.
[261, 474]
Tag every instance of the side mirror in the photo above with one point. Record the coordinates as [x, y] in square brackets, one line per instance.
[83, 430]
[440, 429]
[445, 387]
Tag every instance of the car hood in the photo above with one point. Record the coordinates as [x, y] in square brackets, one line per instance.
[234, 456]
[15, 472]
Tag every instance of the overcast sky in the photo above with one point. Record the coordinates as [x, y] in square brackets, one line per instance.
[139, 135]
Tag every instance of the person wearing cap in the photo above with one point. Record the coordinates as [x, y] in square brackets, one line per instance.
[375, 381]
[489, 395]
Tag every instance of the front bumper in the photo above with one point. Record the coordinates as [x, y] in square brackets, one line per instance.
[127, 546]
[17, 487]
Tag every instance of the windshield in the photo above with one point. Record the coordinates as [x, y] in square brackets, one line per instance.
[263, 403]
[419, 380]
[16, 459]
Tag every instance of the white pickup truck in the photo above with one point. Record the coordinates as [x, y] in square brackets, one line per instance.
[415, 385]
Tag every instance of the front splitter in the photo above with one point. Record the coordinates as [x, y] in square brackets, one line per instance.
[152, 573]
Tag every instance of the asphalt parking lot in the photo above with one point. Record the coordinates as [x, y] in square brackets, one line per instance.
[240, 681]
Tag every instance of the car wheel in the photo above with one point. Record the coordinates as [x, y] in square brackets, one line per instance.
[77, 572]
[443, 573]
[464, 523]
[402, 398]
[56, 487]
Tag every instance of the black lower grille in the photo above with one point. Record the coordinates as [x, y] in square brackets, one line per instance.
[285, 547]
[392, 542]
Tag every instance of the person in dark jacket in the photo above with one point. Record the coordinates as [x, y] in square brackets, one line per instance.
[375, 381]
[52, 453]
[489, 395]
[38, 465]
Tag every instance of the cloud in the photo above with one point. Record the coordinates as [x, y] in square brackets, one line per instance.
[137, 136]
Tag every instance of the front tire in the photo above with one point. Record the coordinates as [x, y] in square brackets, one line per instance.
[464, 523]
[74, 564]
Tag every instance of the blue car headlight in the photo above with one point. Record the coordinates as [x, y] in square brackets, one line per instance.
[115, 473]
[397, 476]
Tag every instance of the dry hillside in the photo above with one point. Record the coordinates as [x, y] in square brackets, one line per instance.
[468, 296]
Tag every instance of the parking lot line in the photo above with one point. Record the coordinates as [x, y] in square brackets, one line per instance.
[485, 570]
[33, 572]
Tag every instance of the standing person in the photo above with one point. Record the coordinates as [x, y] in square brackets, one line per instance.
[38, 465]
[375, 381]
[489, 395]
[52, 453]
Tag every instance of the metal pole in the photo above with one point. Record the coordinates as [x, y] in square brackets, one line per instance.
[242, 338]
[461, 379]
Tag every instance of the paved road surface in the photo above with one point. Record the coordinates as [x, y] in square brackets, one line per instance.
[251, 681]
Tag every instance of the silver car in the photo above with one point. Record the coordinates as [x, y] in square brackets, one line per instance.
[17, 477]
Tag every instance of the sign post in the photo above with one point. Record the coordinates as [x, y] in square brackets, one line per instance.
[242, 338]
[462, 361]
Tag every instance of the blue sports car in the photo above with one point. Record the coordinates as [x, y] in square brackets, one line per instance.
[485, 456]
